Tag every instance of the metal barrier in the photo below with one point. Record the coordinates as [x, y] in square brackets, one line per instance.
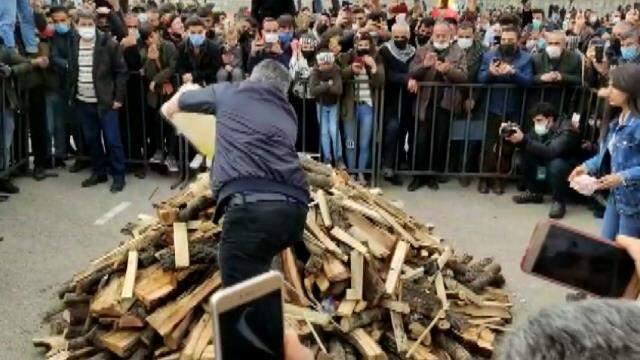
[445, 138]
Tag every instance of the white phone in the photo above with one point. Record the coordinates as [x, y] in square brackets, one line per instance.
[248, 320]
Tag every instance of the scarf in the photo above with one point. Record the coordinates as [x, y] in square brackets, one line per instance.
[402, 55]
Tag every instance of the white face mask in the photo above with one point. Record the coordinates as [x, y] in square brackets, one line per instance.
[465, 43]
[143, 17]
[87, 32]
[441, 45]
[271, 38]
[541, 129]
[554, 52]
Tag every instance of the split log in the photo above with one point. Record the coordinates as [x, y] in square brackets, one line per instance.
[452, 347]
[361, 319]
[120, 342]
[291, 275]
[369, 349]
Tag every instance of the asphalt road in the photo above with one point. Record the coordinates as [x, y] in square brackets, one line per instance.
[54, 228]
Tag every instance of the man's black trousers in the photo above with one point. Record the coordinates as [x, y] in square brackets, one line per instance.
[555, 171]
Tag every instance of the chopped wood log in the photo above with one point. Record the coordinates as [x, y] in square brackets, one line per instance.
[398, 331]
[120, 342]
[369, 349]
[362, 210]
[346, 307]
[361, 319]
[345, 238]
[334, 269]
[397, 306]
[291, 274]
[174, 339]
[193, 340]
[324, 239]
[130, 321]
[481, 311]
[300, 313]
[107, 301]
[373, 286]
[416, 329]
[181, 245]
[130, 275]
[319, 181]
[321, 197]
[490, 276]
[357, 276]
[165, 319]
[452, 347]
[396, 267]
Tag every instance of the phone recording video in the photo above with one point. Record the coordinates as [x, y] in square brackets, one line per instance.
[580, 261]
[248, 319]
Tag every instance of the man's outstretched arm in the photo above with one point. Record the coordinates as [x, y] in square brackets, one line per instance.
[197, 99]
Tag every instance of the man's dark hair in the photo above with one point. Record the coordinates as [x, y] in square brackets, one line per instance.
[545, 109]
[85, 14]
[203, 12]
[451, 21]
[268, 19]
[466, 26]
[57, 9]
[537, 11]
[509, 19]
[377, 16]
[364, 35]
[357, 10]
[145, 32]
[286, 20]
[193, 21]
[153, 10]
[427, 22]
[513, 29]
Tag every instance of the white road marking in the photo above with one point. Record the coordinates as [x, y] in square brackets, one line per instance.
[112, 213]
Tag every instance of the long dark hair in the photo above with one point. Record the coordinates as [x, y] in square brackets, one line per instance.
[626, 78]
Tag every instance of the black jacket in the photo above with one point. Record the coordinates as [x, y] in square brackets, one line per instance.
[396, 77]
[204, 66]
[62, 49]
[562, 142]
[109, 70]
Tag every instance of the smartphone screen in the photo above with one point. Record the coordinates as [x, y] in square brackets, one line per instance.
[253, 329]
[583, 263]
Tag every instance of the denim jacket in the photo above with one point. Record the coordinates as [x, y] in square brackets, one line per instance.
[625, 161]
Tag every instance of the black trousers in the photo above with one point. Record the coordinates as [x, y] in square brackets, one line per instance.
[439, 128]
[556, 173]
[38, 123]
[252, 234]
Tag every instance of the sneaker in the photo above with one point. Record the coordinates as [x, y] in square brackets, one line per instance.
[432, 183]
[39, 173]
[416, 184]
[94, 180]
[6, 186]
[196, 162]
[117, 185]
[157, 158]
[528, 197]
[172, 164]
[558, 210]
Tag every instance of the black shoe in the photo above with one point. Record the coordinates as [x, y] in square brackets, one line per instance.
[59, 163]
[415, 184]
[117, 185]
[6, 186]
[465, 182]
[528, 197]
[140, 172]
[443, 179]
[39, 173]
[78, 166]
[558, 210]
[94, 180]
[598, 213]
[432, 183]
[498, 187]
[483, 187]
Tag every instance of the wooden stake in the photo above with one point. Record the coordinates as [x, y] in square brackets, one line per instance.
[424, 333]
[130, 275]
[398, 331]
[324, 209]
[357, 276]
[342, 235]
[396, 267]
[181, 245]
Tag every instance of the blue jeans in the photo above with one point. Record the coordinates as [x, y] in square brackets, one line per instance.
[329, 133]
[106, 124]
[359, 131]
[56, 124]
[614, 224]
[7, 129]
[8, 11]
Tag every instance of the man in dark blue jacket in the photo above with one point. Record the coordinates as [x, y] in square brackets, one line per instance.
[257, 179]
[505, 65]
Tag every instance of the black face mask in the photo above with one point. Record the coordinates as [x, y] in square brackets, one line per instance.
[508, 49]
[401, 43]
[616, 45]
[363, 51]
[308, 54]
[322, 28]
[423, 38]
[211, 34]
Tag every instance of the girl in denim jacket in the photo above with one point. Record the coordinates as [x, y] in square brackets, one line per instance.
[618, 162]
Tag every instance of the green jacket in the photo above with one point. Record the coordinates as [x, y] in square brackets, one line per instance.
[569, 65]
[376, 81]
[19, 66]
[160, 71]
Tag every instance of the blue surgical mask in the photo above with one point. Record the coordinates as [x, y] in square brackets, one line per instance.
[285, 37]
[61, 28]
[196, 39]
[541, 43]
[629, 52]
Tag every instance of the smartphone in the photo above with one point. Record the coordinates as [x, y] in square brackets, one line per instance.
[599, 48]
[497, 39]
[580, 261]
[248, 320]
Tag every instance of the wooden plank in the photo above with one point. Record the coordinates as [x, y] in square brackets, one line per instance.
[346, 307]
[440, 290]
[481, 311]
[205, 338]
[324, 209]
[191, 343]
[360, 306]
[181, 245]
[107, 303]
[377, 249]
[323, 238]
[363, 210]
[427, 331]
[154, 283]
[396, 267]
[165, 319]
[372, 232]
[174, 339]
[291, 275]
[396, 306]
[444, 257]
[334, 269]
[209, 353]
[357, 276]
[322, 282]
[369, 349]
[120, 342]
[301, 313]
[342, 235]
[397, 227]
[398, 331]
[130, 275]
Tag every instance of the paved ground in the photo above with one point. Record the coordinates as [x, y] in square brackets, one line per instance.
[49, 233]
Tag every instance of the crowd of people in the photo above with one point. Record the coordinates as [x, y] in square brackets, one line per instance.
[95, 69]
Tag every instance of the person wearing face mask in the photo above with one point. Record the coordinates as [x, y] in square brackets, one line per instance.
[174, 30]
[286, 30]
[505, 65]
[549, 154]
[199, 58]
[363, 75]
[424, 31]
[443, 61]
[268, 46]
[630, 47]
[110, 20]
[397, 55]
[98, 81]
[302, 63]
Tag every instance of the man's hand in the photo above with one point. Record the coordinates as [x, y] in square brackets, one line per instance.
[429, 60]
[506, 69]
[229, 68]
[103, 10]
[128, 41]
[580, 170]
[632, 245]
[469, 104]
[412, 86]
[171, 106]
[115, 4]
[610, 181]
[187, 78]
[257, 45]
[116, 105]
[548, 77]
[370, 62]
[152, 52]
[167, 88]
[494, 69]
[152, 86]
[276, 48]
[293, 349]
[357, 68]
[443, 67]
[41, 62]
[516, 138]
[604, 92]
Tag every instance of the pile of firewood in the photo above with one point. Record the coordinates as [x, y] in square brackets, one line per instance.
[375, 284]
